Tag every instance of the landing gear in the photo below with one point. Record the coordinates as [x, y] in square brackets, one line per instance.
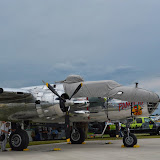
[77, 136]
[129, 139]
[19, 140]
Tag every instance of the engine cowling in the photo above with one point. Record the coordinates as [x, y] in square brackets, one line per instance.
[56, 110]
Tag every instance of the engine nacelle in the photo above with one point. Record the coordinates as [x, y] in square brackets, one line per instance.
[77, 103]
[59, 109]
[56, 110]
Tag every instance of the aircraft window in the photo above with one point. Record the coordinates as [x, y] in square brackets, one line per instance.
[147, 120]
[139, 120]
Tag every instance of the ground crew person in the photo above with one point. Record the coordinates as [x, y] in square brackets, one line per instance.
[5, 130]
[117, 129]
[120, 130]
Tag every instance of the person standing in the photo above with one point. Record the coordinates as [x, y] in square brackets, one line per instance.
[117, 129]
[5, 130]
[120, 130]
[54, 132]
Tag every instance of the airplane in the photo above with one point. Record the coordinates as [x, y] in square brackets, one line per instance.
[75, 102]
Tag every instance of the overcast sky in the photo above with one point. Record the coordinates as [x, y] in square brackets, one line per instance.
[98, 39]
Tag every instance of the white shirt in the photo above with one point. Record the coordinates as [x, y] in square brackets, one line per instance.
[3, 127]
[120, 124]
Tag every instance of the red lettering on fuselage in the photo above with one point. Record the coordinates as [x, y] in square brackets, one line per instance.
[128, 104]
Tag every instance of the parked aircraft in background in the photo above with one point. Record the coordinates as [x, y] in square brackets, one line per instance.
[74, 102]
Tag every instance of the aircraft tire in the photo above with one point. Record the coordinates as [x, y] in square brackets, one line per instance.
[19, 140]
[77, 137]
[129, 141]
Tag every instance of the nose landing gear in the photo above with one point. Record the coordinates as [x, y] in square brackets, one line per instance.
[129, 139]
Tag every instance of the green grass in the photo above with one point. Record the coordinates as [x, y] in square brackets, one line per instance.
[143, 136]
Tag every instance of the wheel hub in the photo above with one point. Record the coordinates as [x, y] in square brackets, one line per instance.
[129, 140]
[75, 136]
[16, 140]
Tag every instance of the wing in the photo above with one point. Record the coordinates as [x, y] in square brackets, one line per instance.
[9, 95]
[111, 89]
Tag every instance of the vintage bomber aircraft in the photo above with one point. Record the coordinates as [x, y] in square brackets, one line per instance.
[74, 102]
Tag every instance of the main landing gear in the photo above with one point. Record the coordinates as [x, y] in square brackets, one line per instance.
[77, 135]
[19, 140]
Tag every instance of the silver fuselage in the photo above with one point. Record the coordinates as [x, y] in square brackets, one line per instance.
[49, 111]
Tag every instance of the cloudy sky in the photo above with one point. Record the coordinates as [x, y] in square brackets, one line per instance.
[98, 39]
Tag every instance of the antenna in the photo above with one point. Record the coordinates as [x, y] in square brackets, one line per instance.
[136, 85]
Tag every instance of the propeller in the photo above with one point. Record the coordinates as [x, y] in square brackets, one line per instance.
[64, 108]
[76, 91]
[54, 91]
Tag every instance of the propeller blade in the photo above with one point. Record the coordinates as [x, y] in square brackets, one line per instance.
[54, 91]
[77, 89]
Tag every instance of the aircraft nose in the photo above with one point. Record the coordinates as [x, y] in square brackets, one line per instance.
[134, 95]
[152, 107]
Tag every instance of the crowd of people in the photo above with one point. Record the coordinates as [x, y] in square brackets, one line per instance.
[44, 133]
